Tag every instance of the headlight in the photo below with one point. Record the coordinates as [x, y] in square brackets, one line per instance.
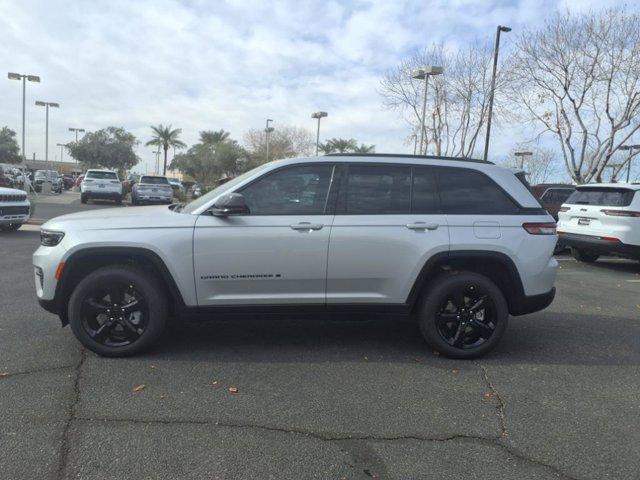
[49, 238]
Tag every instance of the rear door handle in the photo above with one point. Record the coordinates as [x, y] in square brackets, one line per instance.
[422, 226]
[307, 226]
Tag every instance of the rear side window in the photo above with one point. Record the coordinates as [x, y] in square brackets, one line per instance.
[102, 175]
[424, 199]
[155, 180]
[602, 196]
[464, 191]
[378, 190]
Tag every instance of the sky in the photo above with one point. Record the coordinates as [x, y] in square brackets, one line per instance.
[206, 65]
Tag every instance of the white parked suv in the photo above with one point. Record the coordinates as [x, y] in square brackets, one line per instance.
[14, 208]
[101, 185]
[456, 244]
[601, 219]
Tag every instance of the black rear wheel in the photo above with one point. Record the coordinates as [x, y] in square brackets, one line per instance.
[584, 255]
[118, 311]
[463, 315]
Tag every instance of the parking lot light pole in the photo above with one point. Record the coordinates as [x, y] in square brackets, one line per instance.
[267, 131]
[46, 141]
[61, 145]
[318, 115]
[423, 74]
[630, 148]
[24, 78]
[496, 48]
[72, 129]
[522, 155]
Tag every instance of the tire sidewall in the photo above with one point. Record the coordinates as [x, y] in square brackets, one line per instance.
[152, 291]
[436, 295]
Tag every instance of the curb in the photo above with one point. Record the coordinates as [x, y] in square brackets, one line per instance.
[35, 221]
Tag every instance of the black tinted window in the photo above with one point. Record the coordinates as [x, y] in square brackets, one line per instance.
[293, 191]
[377, 190]
[464, 191]
[556, 195]
[155, 180]
[424, 194]
[610, 197]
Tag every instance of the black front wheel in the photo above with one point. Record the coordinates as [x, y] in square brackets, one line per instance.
[463, 315]
[118, 311]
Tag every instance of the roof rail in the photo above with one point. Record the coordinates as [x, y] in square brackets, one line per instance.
[403, 155]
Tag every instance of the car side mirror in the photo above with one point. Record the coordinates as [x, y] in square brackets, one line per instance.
[230, 204]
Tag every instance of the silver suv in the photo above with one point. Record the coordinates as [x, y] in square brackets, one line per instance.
[457, 245]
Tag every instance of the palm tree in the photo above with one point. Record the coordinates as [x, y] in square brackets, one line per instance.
[211, 138]
[364, 148]
[342, 145]
[165, 137]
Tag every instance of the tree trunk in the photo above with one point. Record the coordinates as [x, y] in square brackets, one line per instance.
[164, 170]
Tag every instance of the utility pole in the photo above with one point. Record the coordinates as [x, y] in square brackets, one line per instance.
[72, 129]
[267, 131]
[496, 48]
[424, 74]
[318, 115]
[24, 78]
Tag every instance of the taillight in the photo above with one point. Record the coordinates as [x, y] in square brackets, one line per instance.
[621, 213]
[540, 228]
[564, 209]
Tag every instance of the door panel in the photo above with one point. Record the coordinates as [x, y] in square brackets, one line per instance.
[260, 259]
[376, 258]
[275, 254]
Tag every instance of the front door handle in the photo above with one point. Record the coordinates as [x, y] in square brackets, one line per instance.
[422, 226]
[307, 226]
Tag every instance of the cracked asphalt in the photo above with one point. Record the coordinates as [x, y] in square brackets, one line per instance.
[326, 399]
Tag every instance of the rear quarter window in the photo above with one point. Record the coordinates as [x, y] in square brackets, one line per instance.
[602, 196]
[464, 191]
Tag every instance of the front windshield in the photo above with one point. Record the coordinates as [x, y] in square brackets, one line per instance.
[206, 198]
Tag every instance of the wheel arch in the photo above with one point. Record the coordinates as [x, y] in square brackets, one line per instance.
[85, 261]
[496, 266]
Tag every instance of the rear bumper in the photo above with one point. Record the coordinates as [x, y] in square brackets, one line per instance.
[533, 303]
[596, 244]
[102, 194]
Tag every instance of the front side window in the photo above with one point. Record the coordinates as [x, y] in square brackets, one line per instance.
[299, 190]
[378, 190]
[465, 191]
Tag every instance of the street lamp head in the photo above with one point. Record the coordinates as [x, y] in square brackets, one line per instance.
[54, 104]
[517, 154]
[422, 73]
[319, 114]
[14, 76]
[40, 103]
[504, 29]
[33, 78]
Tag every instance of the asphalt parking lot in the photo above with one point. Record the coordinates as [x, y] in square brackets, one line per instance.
[325, 399]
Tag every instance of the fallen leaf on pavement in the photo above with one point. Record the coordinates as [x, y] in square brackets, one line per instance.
[6, 374]
[455, 371]
[436, 353]
[233, 390]
[215, 383]
[138, 388]
[489, 395]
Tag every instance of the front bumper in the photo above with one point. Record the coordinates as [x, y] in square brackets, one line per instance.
[599, 245]
[11, 214]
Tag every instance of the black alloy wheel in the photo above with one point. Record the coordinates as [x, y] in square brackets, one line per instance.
[463, 314]
[118, 310]
[116, 315]
[467, 317]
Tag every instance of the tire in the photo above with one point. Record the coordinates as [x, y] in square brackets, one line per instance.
[452, 296]
[134, 327]
[584, 255]
[83, 198]
[12, 227]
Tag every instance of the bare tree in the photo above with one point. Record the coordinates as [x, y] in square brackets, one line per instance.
[578, 77]
[457, 101]
[284, 142]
